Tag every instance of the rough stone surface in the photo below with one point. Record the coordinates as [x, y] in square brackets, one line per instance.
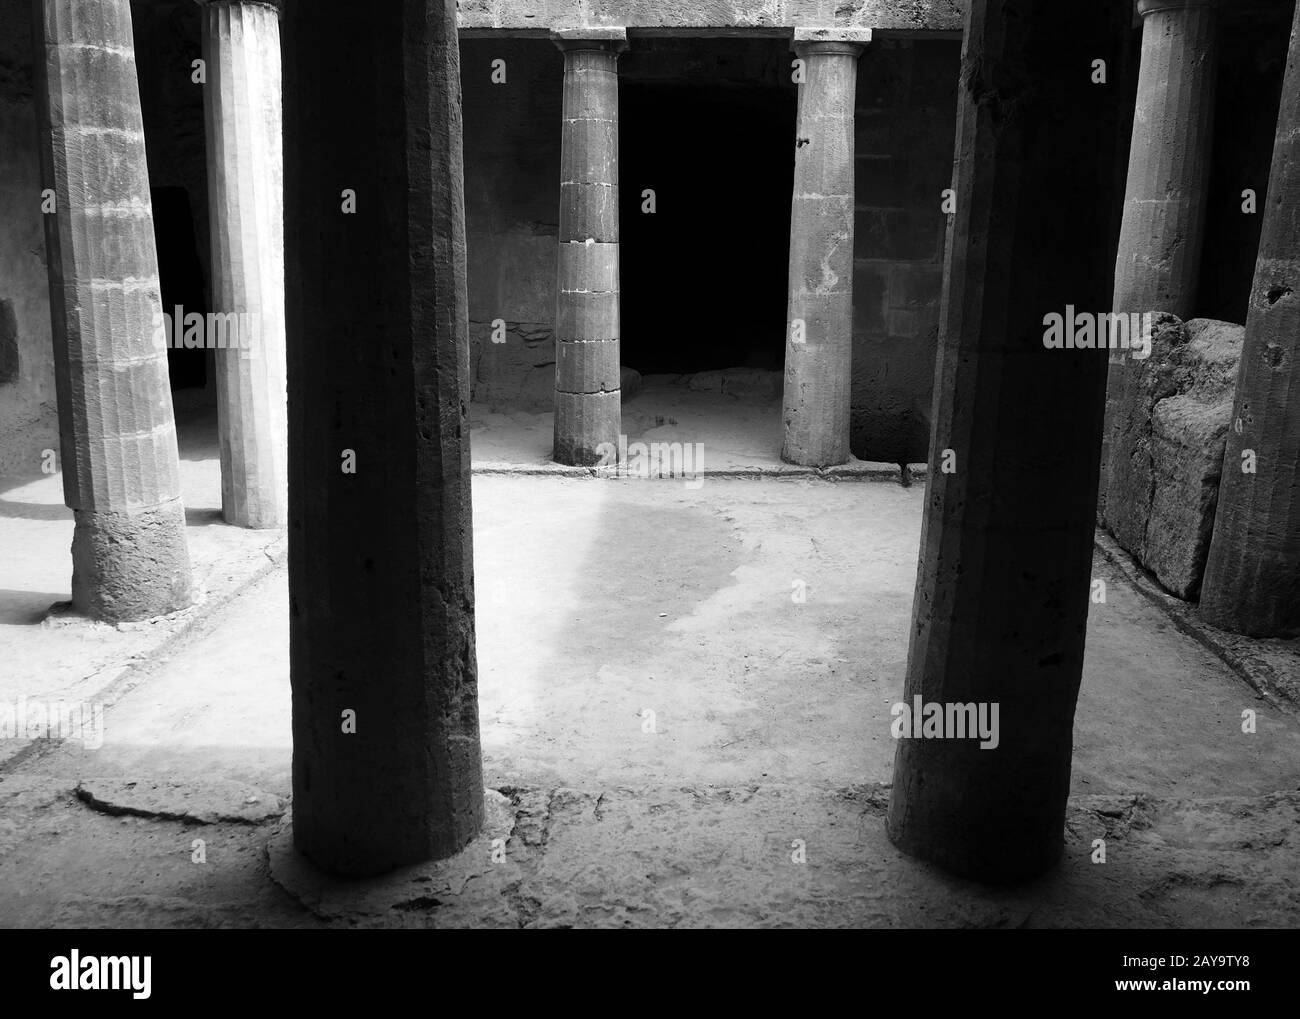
[117, 433]
[1167, 422]
[773, 718]
[436, 886]
[1016, 515]
[241, 49]
[1252, 578]
[211, 801]
[519, 373]
[130, 566]
[382, 625]
[819, 320]
[708, 856]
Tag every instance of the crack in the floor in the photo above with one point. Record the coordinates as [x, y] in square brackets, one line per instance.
[526, 907]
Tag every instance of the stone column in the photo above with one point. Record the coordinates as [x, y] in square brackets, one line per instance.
[1159, 256]
[241, 102]
[121, 478]
[1252, 577]
[819, 324]
[588, 396]
[1002, 589]
[386, 765]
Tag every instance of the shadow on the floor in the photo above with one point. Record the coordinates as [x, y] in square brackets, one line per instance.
[34, 510]
[204, 517]
[27, 608]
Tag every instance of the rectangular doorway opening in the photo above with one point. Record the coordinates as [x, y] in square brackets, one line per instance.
[706, 132]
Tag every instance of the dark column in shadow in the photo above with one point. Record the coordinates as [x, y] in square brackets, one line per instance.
[1002, 589]
[386, 763]
[1252, 577]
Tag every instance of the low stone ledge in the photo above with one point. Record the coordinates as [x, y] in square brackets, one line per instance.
[1270, 667]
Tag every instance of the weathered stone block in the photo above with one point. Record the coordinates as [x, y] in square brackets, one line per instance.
[1168, 420]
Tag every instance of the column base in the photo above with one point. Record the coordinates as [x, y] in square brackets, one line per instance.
[810, 456]
[130, 566]
[255, 518]
[952, 847]
[584, 422]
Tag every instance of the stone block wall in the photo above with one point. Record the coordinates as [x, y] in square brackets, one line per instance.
[906, 129]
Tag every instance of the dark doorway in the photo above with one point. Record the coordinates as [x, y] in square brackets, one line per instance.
[181, 278]
[704, 278]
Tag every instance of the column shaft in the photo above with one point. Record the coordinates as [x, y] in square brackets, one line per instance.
[588, 395]
[1252, 577]
[819, 327]
[1002, 589]
[241, 48]
[1159, 256]
[381, 634]
[130, 559]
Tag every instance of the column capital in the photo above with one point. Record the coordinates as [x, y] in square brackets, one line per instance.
[1145, 7]
[612, 40]
[276, 5]
[829, 41]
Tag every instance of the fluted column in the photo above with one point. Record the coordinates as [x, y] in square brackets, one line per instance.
[1001, 604]
[241, 102]
[588, 396]
[819, 323]
[130, 559]
[1252, 577]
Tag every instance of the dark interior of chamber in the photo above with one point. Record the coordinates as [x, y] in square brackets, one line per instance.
[180, 275]
[704, 277]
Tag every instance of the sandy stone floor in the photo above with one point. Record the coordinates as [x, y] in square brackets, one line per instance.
[599, 603]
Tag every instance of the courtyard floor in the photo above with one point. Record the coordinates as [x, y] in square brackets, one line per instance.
[666, 728]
